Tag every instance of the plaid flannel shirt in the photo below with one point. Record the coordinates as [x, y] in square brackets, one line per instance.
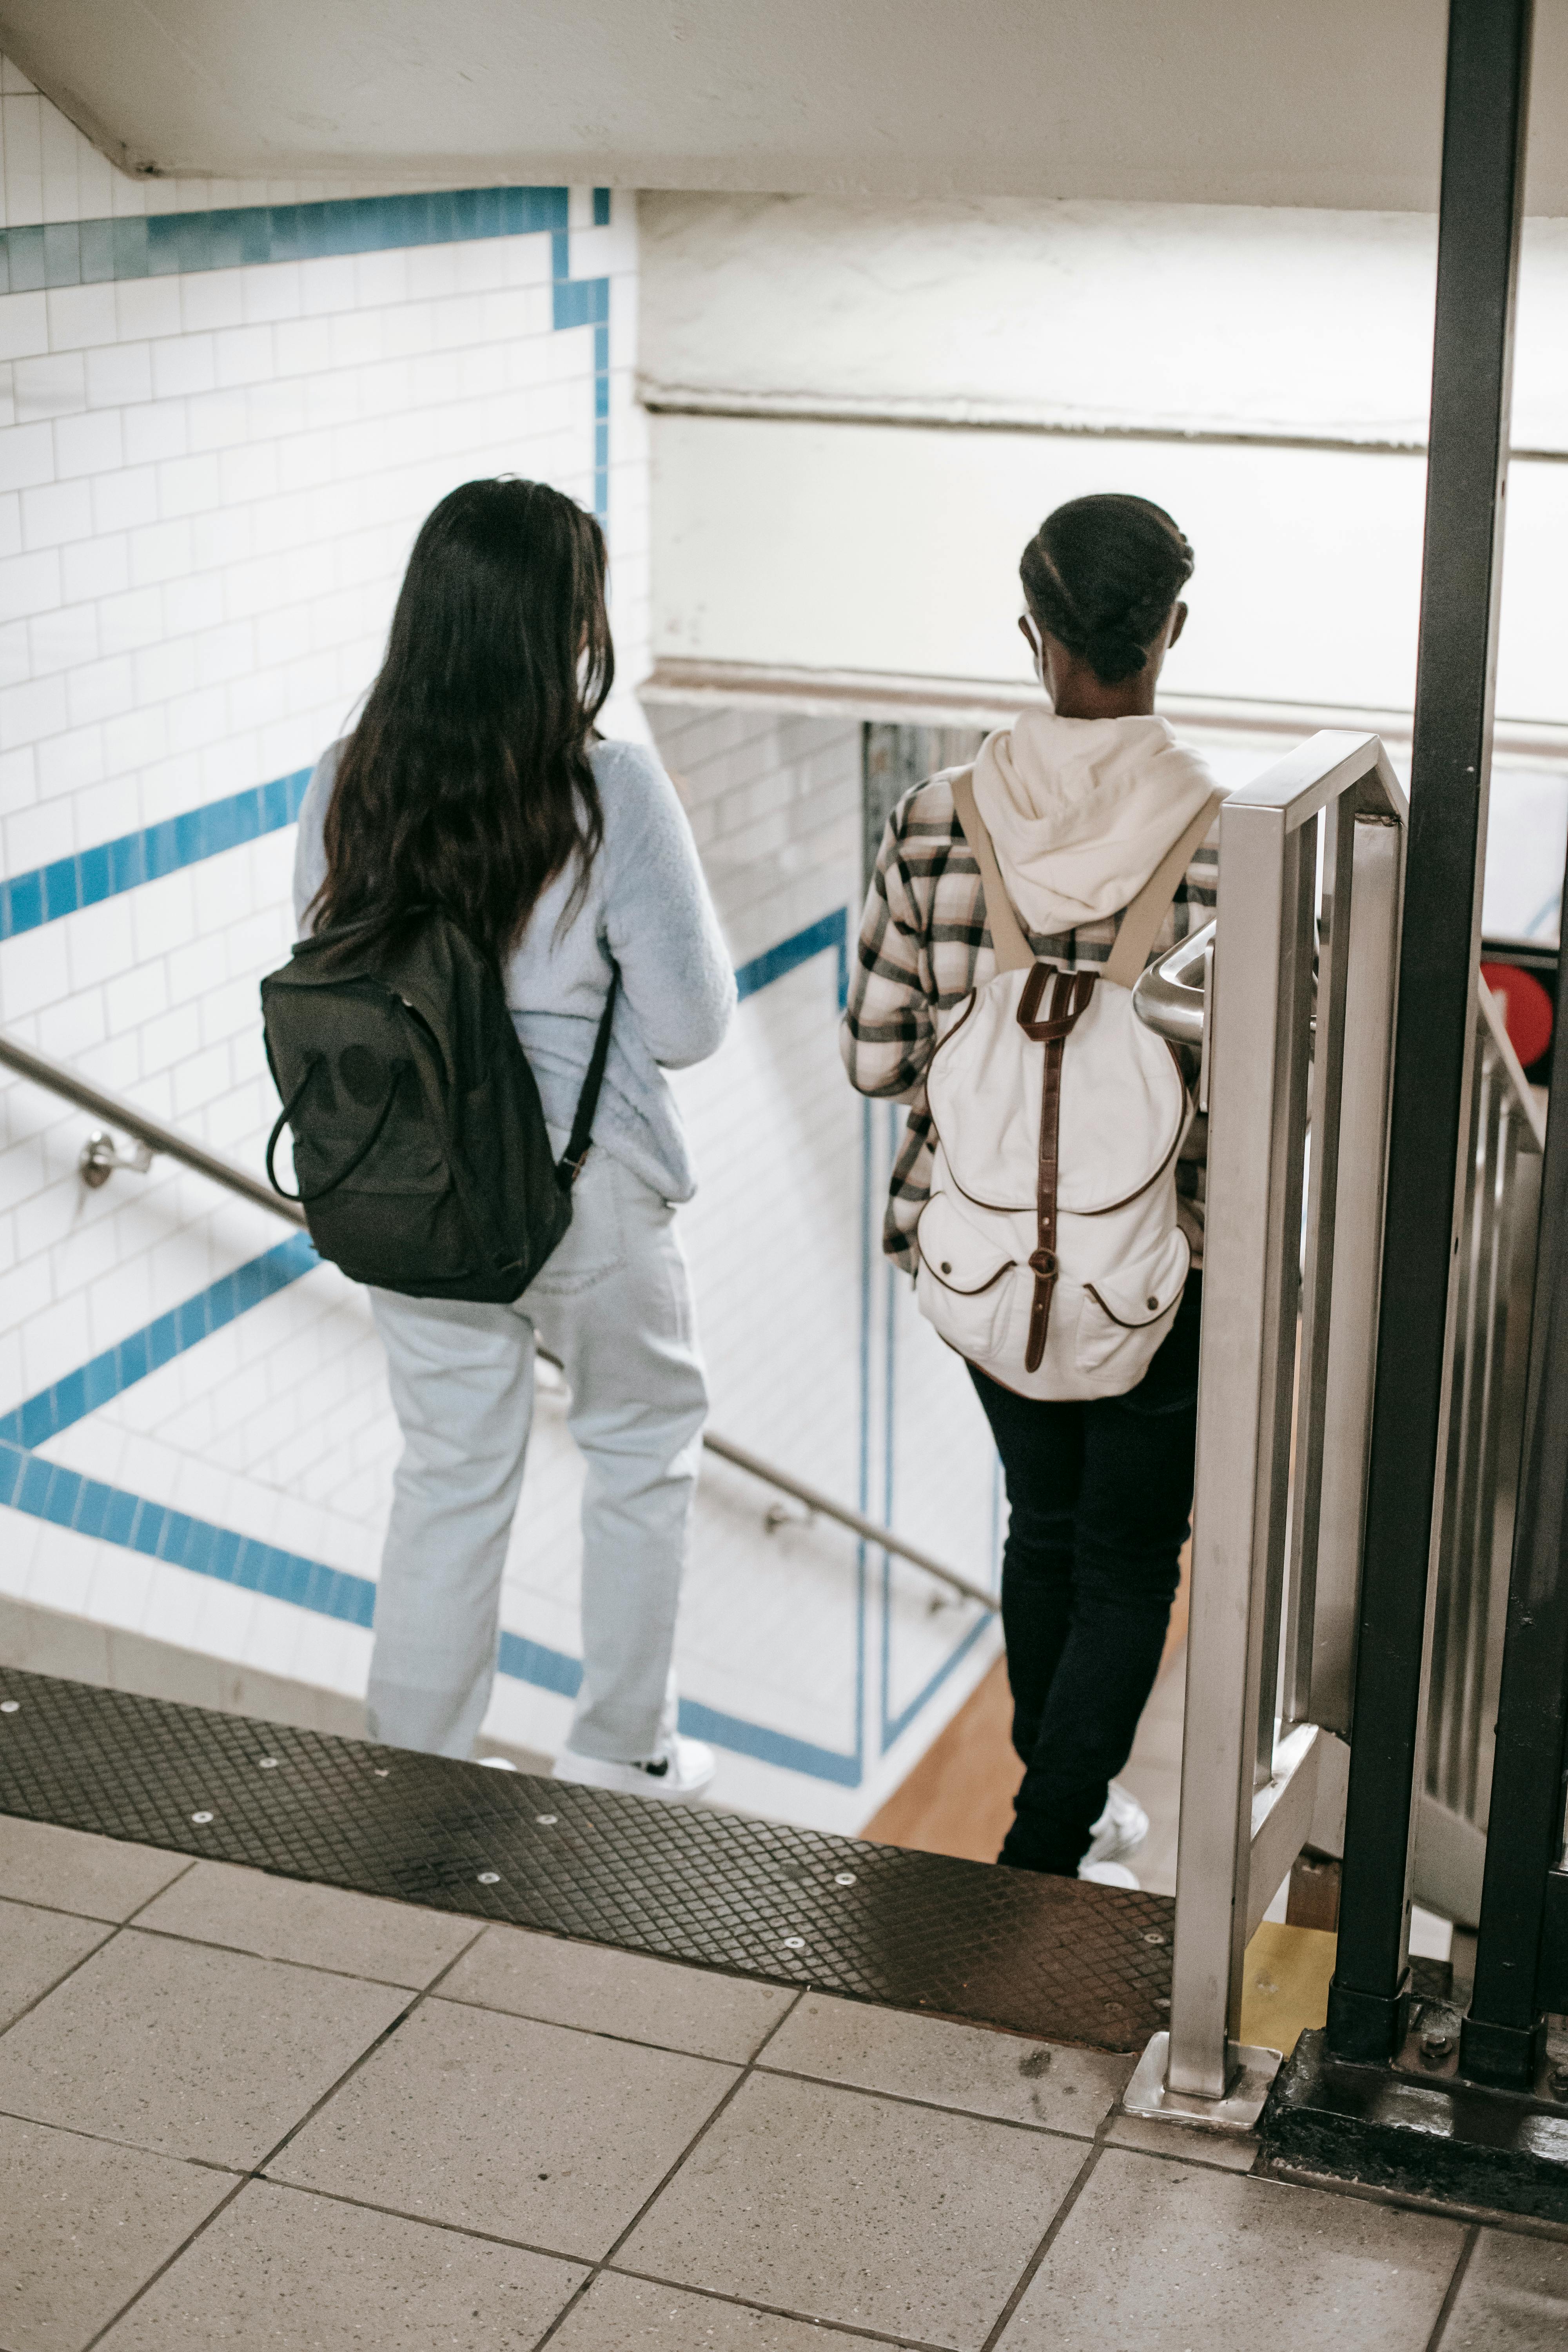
[924, 945]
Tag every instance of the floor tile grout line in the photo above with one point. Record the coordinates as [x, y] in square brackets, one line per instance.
[423, 2221]
[255, 2171]
[132, 1917]
[131, 2146]
[63, 1978]
[742, 2077]
[184, 2246]
[942, 2106]
[1461, 2270]
[778, 2311]
[598, 2033]
[64, 1910]
[1053, 2229]
[415, 2000]
[283, 1960]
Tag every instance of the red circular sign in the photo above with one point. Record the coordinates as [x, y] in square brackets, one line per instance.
[1525, 1007]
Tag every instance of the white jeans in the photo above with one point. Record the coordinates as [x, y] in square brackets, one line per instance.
[614, 1303]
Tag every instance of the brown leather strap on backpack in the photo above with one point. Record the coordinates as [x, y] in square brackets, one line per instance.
[1070, 994]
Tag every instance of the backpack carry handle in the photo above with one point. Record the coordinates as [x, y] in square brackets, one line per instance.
[366, 1148]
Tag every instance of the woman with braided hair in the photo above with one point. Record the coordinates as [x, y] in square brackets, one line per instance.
[1083, 802]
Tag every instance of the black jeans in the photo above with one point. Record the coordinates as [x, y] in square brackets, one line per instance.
[1098, 1496]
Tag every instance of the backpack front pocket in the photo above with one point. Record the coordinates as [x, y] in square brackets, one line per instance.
[966, 1276]
[1128, 1312]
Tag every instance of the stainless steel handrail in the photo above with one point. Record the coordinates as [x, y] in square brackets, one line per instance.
[115, 1111]
[1288, 1340]
[1166, 997]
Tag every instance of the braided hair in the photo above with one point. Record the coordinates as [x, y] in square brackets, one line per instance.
[1100, 574]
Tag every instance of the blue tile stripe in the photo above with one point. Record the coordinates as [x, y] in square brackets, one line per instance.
[47, 1490]
[167, 245]
[43, 895]
[49, 892]
[354, 224]
[108, 1375]
[89, 252]
[774, 963]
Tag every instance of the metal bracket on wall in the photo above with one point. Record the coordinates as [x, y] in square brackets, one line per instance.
[100, 1156]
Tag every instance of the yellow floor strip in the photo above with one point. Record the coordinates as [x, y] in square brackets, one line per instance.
[1285, 1984]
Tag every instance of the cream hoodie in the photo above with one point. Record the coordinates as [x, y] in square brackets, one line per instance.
[1083, 810]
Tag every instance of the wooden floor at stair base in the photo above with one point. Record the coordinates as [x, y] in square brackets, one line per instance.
[959, 1797]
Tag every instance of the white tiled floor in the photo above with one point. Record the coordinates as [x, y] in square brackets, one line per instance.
[238, 2111]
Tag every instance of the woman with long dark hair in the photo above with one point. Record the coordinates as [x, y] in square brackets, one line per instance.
[476, 782]
[1083, 805]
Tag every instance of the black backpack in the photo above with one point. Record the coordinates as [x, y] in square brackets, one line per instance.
[420, 1148]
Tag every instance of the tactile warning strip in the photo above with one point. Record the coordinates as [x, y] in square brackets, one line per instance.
[1069, 1961]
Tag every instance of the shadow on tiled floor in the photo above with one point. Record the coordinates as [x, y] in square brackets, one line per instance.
[237, 2110]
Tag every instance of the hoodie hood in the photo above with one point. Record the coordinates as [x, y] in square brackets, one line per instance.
[1081, 811]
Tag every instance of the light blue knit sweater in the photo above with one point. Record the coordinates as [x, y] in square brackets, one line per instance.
[647, 906]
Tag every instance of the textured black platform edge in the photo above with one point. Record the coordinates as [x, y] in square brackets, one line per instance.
[1051, 1957]
[1437, 2138]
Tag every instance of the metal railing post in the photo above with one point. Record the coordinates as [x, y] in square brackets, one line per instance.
[1247, 1791]
[1344, 1248]
[1243, 1423]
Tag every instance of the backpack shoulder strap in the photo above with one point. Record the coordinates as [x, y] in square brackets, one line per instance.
[581, 1136]
[1012, 951]
[1140, 925]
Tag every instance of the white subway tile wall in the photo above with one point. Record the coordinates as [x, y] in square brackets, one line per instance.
[209, 480]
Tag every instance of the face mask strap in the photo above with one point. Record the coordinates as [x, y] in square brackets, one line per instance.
[1032, 626]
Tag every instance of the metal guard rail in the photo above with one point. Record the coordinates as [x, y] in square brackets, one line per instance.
[1294, 1022]
[1299, 1029]
[168, 1144]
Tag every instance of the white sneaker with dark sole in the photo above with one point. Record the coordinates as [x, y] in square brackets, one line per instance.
[1121, 1829]
[682, 1772]
[1107, 1873]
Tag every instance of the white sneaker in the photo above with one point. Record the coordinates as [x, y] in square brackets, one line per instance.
[1107, 1873]
[1121, 1829]
[682, 1771]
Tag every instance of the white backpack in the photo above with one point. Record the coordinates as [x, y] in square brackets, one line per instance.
[1050, 1254]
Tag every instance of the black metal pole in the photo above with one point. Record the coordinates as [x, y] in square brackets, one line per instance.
[1477, 256]
[1503, 2039]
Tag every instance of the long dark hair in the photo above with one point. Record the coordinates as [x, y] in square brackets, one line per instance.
[466, 784]
[1101, 573]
